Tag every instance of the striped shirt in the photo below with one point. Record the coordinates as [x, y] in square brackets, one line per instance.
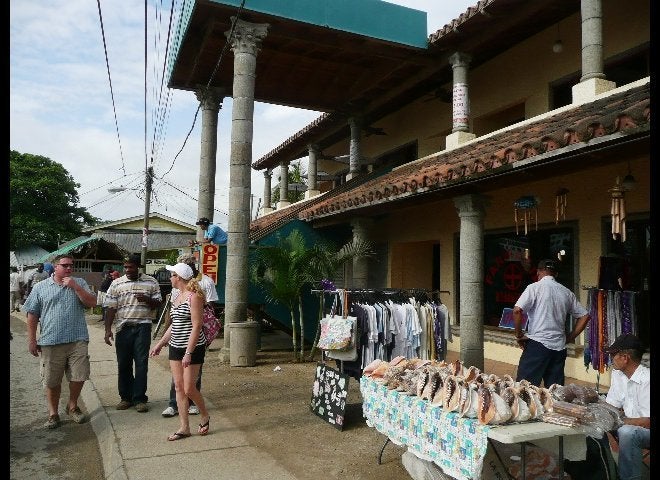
[182, 326]
[121, 296]
[61, 313]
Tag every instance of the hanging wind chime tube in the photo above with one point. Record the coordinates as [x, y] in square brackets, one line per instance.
[528, 204]
[618, 210]
[560, 204]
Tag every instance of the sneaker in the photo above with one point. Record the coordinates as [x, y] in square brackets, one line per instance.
[52, 422]
[169, 412]
[76, 415]
[193, 410]
[124, 405]
[142, 407]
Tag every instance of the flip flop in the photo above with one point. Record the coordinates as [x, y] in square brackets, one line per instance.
[177, 436]
[204, 427]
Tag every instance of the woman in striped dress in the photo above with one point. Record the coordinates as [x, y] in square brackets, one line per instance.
[187, 347]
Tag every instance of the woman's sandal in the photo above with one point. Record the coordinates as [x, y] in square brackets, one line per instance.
[204, 427]
[177, 436]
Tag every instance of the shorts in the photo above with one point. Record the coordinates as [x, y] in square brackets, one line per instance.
[196, 358]
[71, 359]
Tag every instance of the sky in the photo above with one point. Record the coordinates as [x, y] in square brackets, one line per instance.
[62, 106]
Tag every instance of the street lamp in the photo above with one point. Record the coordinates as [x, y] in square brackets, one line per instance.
[147, 205]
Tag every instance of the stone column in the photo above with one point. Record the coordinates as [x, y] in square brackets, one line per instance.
[354, 151]
[268, 175]
[210, 101]
[592, 82]
[284, 185]
[360, 270]
[312, 189]
[245, 43]
[471, 210]
[460, 63]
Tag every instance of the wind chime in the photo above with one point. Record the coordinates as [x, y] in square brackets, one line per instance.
[560, 204]
[618, 210]
[528, 205]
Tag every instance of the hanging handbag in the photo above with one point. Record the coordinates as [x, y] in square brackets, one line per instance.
[210, 324]
[336, 333]
[340, 339]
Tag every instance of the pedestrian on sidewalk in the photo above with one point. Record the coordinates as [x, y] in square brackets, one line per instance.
[14, 290]
[211, 295]
[57, 304]
[133, 301]
[187, 347]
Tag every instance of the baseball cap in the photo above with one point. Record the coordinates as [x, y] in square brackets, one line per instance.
[181, 269]
[547, 264]
[627, 341]
[203, 221]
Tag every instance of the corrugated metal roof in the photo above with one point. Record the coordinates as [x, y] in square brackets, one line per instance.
[132, 241]
[69, 247]
[26, 256]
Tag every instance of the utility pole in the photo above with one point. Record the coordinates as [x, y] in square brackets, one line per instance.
[145, 228]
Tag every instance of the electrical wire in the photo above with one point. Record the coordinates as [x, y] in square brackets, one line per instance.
[208, 84]
[112, 95]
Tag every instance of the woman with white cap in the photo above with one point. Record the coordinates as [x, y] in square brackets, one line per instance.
[187, 347]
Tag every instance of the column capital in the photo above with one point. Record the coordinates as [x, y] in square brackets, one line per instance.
[246, 36]
[268, 174]
[210, 98]
[471, 205]
[460, 59]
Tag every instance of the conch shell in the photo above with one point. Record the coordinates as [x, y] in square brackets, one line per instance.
[492, 409]
[520, 410]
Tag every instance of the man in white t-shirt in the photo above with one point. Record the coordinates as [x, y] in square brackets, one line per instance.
[211, 294]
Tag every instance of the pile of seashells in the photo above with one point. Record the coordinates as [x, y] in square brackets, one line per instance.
[469, 392]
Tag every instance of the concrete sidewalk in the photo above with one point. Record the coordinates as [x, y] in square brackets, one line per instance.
[134, 445]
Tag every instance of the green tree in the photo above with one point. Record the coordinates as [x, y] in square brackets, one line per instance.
[284, 270]
[43, 202]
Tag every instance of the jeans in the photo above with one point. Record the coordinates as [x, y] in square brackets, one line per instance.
[132, 346]
[540, 363]
[198, 384]
[632, 440]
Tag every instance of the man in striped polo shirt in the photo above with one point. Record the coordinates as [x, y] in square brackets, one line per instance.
[132, 300]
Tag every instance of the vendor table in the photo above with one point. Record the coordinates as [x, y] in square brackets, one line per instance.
[454, 443]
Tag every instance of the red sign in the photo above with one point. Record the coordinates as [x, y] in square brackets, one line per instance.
[210, 258]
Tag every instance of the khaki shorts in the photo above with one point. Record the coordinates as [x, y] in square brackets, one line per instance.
[71, 359]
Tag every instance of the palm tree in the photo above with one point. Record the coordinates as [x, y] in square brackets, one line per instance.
[285, 269]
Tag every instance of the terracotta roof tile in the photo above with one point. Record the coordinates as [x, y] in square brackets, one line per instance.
[626, 111]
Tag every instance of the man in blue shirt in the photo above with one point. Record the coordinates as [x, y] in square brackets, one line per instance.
[212, 233]
[57, 304]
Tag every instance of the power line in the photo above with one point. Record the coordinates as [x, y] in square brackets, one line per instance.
[208, 84]
[112, 95]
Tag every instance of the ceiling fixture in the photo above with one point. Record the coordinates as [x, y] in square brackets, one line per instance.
[628, 182]
[557, 47]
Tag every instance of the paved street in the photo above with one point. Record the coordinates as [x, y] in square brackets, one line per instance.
[35, 453]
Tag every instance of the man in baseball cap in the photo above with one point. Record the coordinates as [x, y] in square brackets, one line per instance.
[630, 390]
[547, 304]
[212, 233]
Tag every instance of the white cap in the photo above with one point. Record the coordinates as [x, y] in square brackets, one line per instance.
[181, 269]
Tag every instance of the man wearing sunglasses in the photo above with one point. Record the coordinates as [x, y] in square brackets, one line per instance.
[57, 304]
